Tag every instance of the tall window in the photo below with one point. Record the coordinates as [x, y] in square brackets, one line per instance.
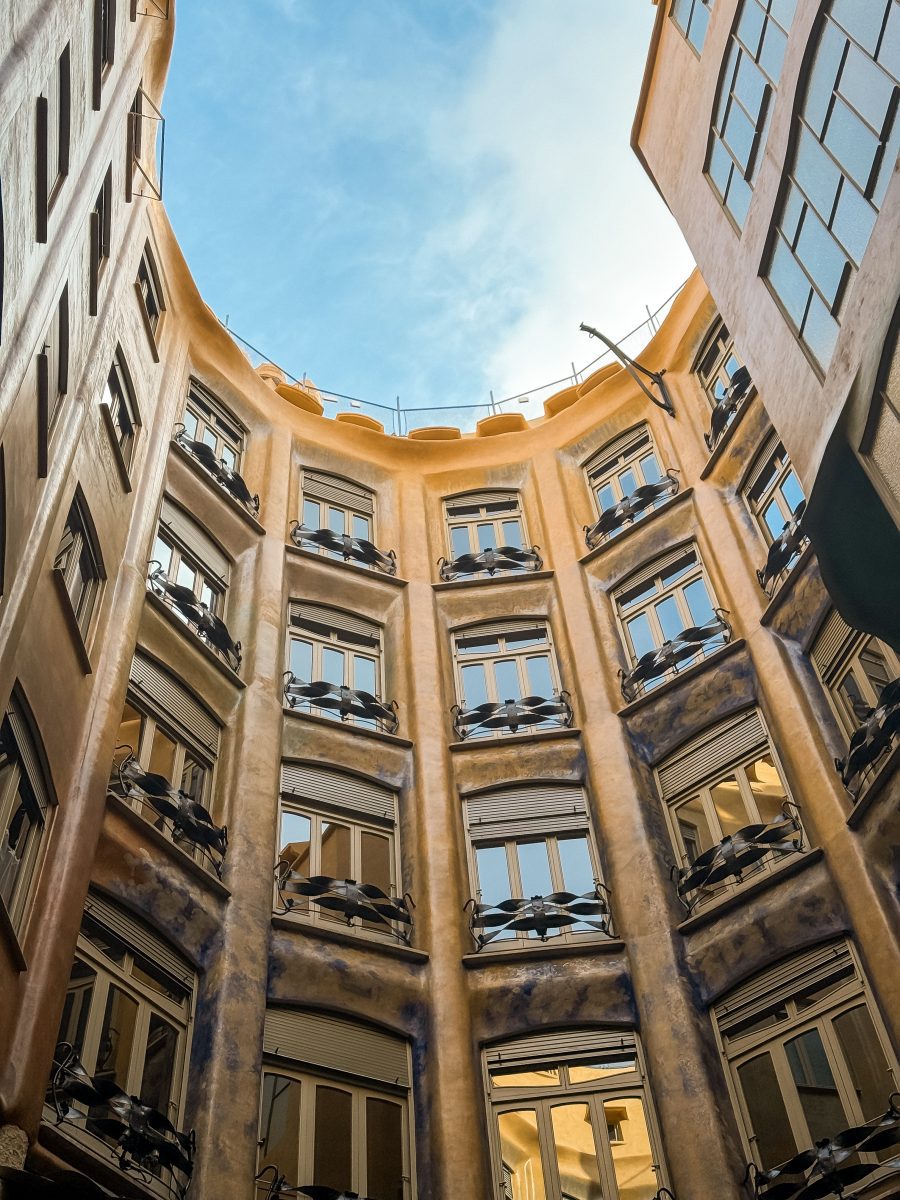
[104, 44]
[120, 407]
[78, 563]
[161, 746]
[334, 1109]
[344, 507]
[718, 364]
[509, 661]
[571, 1117]
[150, 291]
[746, 96]
[773, 490]
[26, 799]
[190, 558]
[482, 521]
[53, 139]
[692, 18]
[207, 420]
[845, 148]
[100, 241]
[618, 470]
[338, 648]
[854, 668]
[805, 1052]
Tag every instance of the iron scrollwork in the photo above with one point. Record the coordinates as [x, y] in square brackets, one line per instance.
[737, 392]
[874, 737]
[512, 715]
[690, 643]
[629, 509]
[230, 480]
[729, 858]
[279, 1186]
[355, 901]
[209, 628]
[491, 560]
[146, 1140]
[540, 914]
[783, 552]
[352, 704]
[351, 549]
[831, 1166]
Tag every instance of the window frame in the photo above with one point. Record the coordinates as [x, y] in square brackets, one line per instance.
[845, 661]
[104, 47]
[83, 549]
[150, 293]
[503, 630]
[310, 477]
[100, 240]
[772, 451]
[716, 375]
[119, 395]
[52, 377]
[685, 29]
[54, 120]
[514, 511]
[606, 467]
[210, 414]
[208, 588]
[151, 723]
[343, 641]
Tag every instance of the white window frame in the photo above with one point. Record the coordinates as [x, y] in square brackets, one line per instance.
[607, 467]
[121, 405]
[844, 660]
[150, 724]
[150, 291]
[683, 20]
[78, 557]
[471, 511]
[342, 640]
[206, 419]
[772, 452]
[208, 587]
[344, 516]
[500, 631]
[714, 370]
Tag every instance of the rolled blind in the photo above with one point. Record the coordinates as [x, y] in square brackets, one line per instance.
[334, 789]
[140, 938]
[831, 643]
[715, 749]
[657, 567]
[761, 462]
[499, 628]
[559, 1046]
[604, 458]
[509, 499]
[322, 1040]
[194, 538]
[173, 702]
[334, 490]
[319, 619]
[507, 812]
[30, 756]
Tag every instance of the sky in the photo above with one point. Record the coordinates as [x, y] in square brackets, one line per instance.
[417, 199]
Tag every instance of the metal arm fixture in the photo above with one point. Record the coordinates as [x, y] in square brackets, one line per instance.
[504, 558]
[351, 703]
[146, 1140]
[223, 475]
[512, 714]
[737, 391]
[279, 1186]
[664, 400]
[350, 548]
[210, 628]
[735, 853]
[874, 737]
[540, 914]
[355, 901]
[690, 643]
[630, 508]
[783, 552]
[832, 1165]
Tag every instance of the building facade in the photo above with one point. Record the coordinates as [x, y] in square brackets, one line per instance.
[410, 817]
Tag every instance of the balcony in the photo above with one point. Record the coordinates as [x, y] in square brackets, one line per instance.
[490, 561]
[350, 549]
[230, 481]
[542, 916]
[145, 1143]
[630, 509]
[209, 628]
[726, 862]
[783, 553]
[349, 704]
[874, 737]
[726, 408]
[509, 716]
[360, 904]
[673, 656]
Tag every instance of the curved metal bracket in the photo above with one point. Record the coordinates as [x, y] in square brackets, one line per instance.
[664, 400]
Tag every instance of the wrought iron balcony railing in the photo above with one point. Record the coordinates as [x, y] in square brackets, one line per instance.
[512, 715]
[490, 561]
[783, 553]
[630, 509]
[227, 479]
[724, 411]
[727, 861]
[832, 1165]
[351, 549]
[179, 815]
[351, 704]
[270, 1185]
[875, 736]
[211, 629]
[541, 915]
[690, 645]
[146, 1142]
[66, 1185]
[356, 902]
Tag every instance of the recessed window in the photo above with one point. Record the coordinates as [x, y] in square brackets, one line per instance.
[692, 18]
[52, 376]
[775, 497]
[150, 292]
[104, 45]
[146, 148]
[844, 151]
[121, 408]
[54, 108]
[78, 563]
[625, 470]
[483, 521]
[100, 240]
[207, 420]
[718, 364]
[746, 97]
[339, 505]
[182, 566]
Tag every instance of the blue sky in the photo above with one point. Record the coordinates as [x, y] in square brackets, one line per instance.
[401, 197]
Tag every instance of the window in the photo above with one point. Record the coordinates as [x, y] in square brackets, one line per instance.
[615, 473]
[329, 646]
[854, 667]
[52, 377]
[189, 558]
[207, 420]
[718, 364]
[844, 151]
[570, 1116]
[120, 408]
[483, 521]
[104, 44]
[806, 1054]
[692, 18]
[78, 563]
[773, 491]
[26, 800]
[100, 240]
[150, 291]
[334, 1109]
[496, 664]
[746, 96]
[336, 504]
[53, 136]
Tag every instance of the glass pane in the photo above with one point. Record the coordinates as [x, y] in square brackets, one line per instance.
[116, 1038]
[336, 851]
[375, 866]
[540, 681]
[632, 1154]
[539, 1077]
[162, 553]
[384, 1149]
[670, 619]
[774, 519]
[190, 424]
[149, 976]
[641, 635]
[512, 534]
[294, 841]
[333, 665]
[865, 1060]
[193, 776]
[474, 685]
[364, 674]
[628, 482]
[815, 1085]
[159, 1064]
[792, 491]
[301, 659]
[333, 1166]
[698, 602]
[693, 829]
[229, 458]
[521, 1154]
[209, 436]
[856, 705]
[606, 497]
[279, 1127]
[534, 868]
[336, 519]
[186, 575]
[729, 806]
[766, 786]
[129, 735]
[312, 516]
[79, 994]
[650, 469]
[487, 539]
[361, 528]
[765, 1107]
[506, 679]
[576, 1154]
[459, 540]
[578, 873]
[162, 755]
[603, 1067]
[875, 667]
[493, 874]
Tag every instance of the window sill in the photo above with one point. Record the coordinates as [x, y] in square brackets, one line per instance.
[544, 951]
[145, 318]
[72, 621]
[202, 649]
[664, 688]
[513, 739]
[449, 585]
[116, 448]
[727, 437]
[11, 938]
[788, 870]
[357, 730]
[346, 937]
[352, 567]
[643, 523]
[787, 587]
[200, 472]
[882, 777]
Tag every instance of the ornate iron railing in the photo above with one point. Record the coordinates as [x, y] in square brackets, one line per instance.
[691, 644]
[352, 704]
[490, 561]
[875, 736]
[512, 715]
[727, 861]
[206, 625]
[145, 1141]
[832, 1165]
[351, 549]
[66, 1185]
[363, 902]
[542, 915]
[277, 1185]
[737, 392]
[783, 553]
[180, 815]
[227, 479]
[630, 509]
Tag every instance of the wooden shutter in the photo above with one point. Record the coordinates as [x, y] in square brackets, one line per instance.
[194, 538]
[334, 789]
[714, 750]
[42, 171]
[617, 449]
[329, 488]
[140, 938]
[831, 643]
[320, 619]
[559, 1046]
[43, 412]
[322, 1040]
[173, 702]
[539, 808]
[657, 567]
[30, 754]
